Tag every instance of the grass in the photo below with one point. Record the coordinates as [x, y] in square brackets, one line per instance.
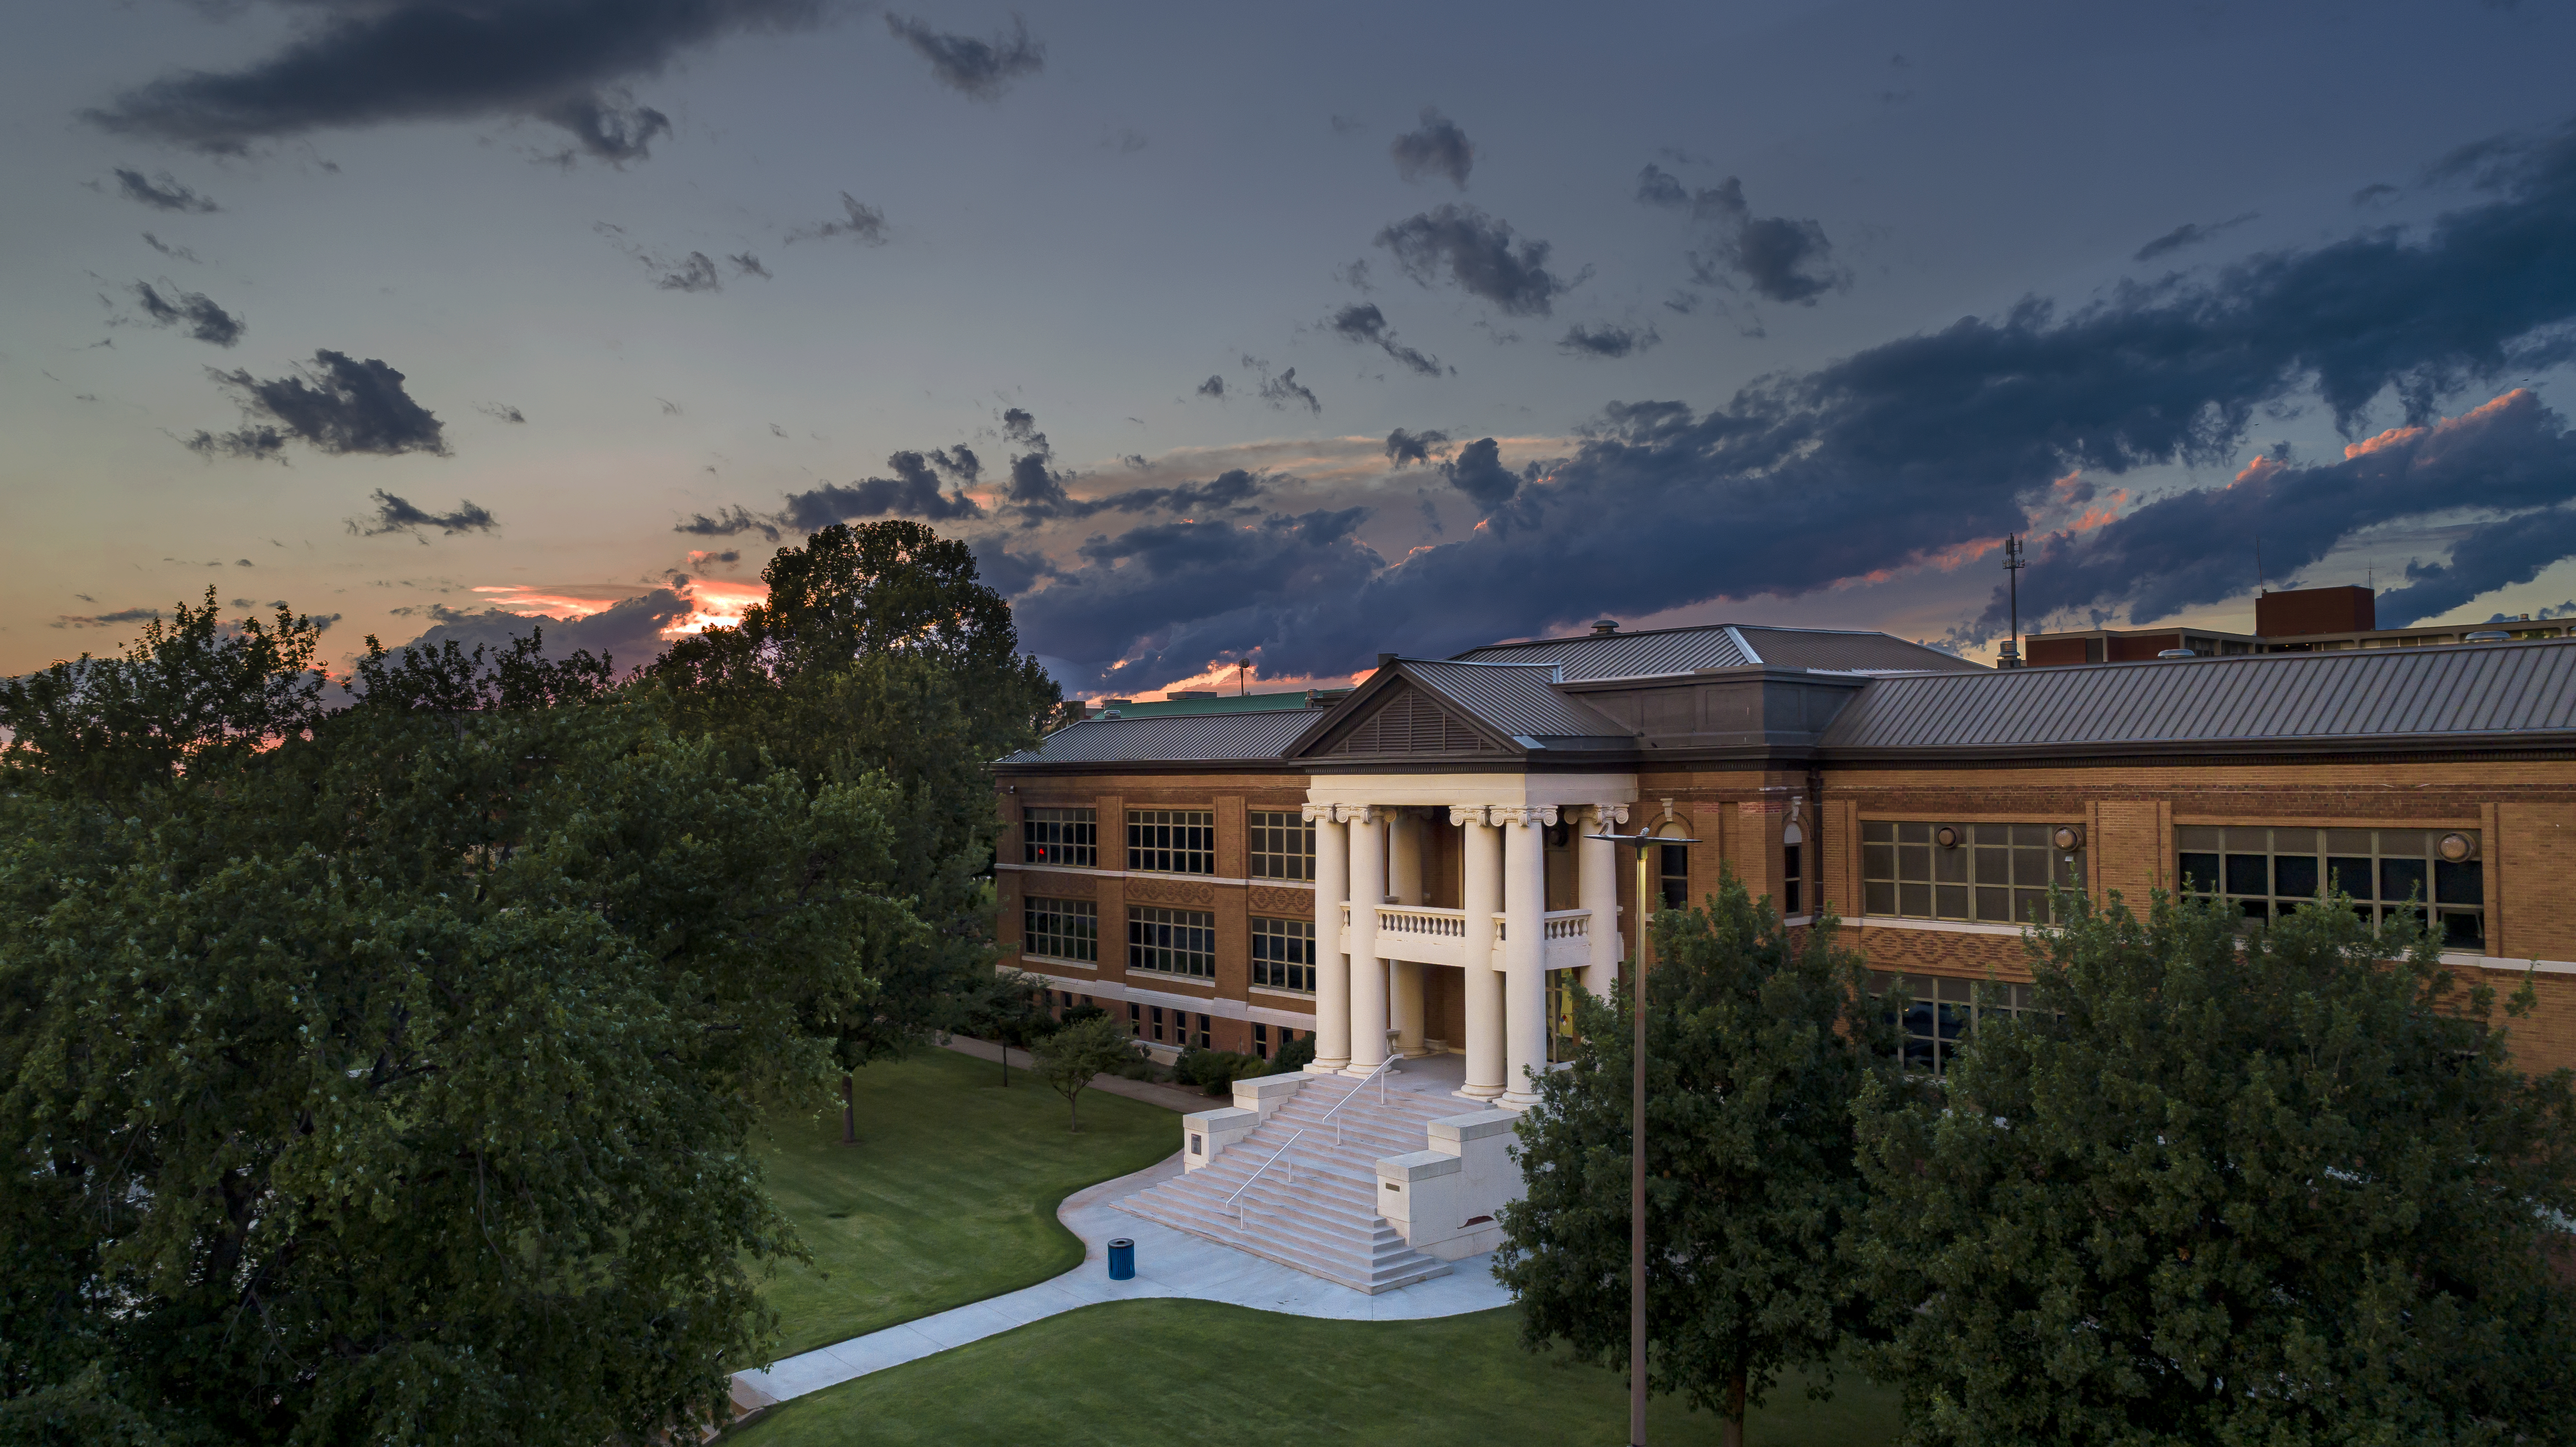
[1191, 1371]
[949, 1197]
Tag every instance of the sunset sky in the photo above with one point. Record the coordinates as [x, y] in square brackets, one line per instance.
[1290, 333]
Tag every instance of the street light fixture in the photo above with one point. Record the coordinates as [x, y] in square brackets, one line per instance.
[1666, 830]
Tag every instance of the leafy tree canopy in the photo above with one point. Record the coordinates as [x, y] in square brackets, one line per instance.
[2278, 1189]
[1758, 1043]
[388, 1075]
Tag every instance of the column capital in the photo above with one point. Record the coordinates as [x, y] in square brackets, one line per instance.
[1538, 818]
[1365, 813]
[1320, 813]
[1468, 813]
[1608, 816]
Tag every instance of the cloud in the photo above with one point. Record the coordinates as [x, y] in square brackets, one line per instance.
[1435, 148]
[1214, 387]
[729, 522]
[1925, 450]
[106, 620]
[338, 406]
[2190, 233]
[1606, 340]
[1363, 322]
[398, 515]
[1403, 447]
[500, 411]
[204, 320]
[1285, 389]
[1779, 258]
[175, 253]
[629, 631]
[163, 194]
[1475, 251]
[746, 264]
[859, 221]
[364, 64]
[2375, 191]
[1478, 471]
[1346, 125]
[693, 272]
[982, 69]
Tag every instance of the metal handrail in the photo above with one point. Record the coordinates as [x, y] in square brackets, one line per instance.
[1376, 1074]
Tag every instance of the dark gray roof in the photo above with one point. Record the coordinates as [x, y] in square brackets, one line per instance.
[1661, 652]
[1166, 740]
[1515, 700]
[2366, 695]
[1837, 651]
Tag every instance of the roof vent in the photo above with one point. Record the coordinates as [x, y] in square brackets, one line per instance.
[1111, 713]
[1605, 626]
[2487, 635]
[2177, 653]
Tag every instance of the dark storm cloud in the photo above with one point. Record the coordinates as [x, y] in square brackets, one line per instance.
[163, 194]
[2375, 191]
[694, 272]
[1782, 259]
[1403, 447]
[339, 405]
[204, 320]
[400, 515]
[106, 620]
[746, 264]
[1038, 495]
[2190, 233]
[628, 632]
[1364, 323]
[959, 462]
[1284, 389]
[1435, 148]
[1214, 386]
[982, 69]
[175, 253]
[1478, 471]
[1940, 443]
[369, 62]
[859, 221]
[1464, 245]
[729, 522]
[1606, 340]
[913, 491]
[500, 411]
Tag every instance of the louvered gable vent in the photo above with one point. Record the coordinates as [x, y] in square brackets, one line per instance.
[1410, 723]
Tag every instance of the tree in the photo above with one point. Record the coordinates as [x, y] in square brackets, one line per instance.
[1069, 1058]
[392, 1078]
[1758, 1042]
[2281, 1187]
[879, 652]
[1008, 1009]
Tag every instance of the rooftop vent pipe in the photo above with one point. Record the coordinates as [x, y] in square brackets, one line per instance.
[2177, 653]
[1606, 625]
[2487, 635]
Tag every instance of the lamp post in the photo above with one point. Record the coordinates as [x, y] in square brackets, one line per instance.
[1648, 836]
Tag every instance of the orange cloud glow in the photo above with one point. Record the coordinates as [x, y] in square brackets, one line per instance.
[715, 604]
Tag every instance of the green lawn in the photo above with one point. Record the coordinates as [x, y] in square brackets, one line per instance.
[949, 1196]
[1193, 1372]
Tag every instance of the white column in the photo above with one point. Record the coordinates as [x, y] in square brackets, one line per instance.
[1368, 971]
[1524, 952]
[1598, 873]
[1332, 967]
[1404, 977]
[1482, 896]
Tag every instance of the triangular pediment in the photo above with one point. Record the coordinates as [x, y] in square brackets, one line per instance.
[1406, 720]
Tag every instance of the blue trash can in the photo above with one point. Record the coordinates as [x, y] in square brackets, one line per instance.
[1122, 1260]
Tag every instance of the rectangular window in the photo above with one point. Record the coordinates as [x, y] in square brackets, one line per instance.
[1171, 841]
[1172, 942]
[1988, 873]
[1283, 845]
[1066, 929]
[1672, 875]
[1283, 954]
[1561, 1038]
[1060, 836]
[1203, 1037]
[1157, 1013]
[1135, 1018]
[1944, 1013]
[1260, 1041]
[2268, 874]
[1789, 880]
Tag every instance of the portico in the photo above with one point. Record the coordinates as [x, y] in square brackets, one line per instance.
[1392, 849]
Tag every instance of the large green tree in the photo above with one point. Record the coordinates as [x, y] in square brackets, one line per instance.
[1758, 1040]
[388, 1074]
[2273, 1189]
[878, 652]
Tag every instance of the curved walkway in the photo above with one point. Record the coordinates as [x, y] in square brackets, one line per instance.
[1169, 1263]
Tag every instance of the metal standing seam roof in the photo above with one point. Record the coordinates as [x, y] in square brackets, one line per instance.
[1180, 738]
[1515, 699]
[1840, 651]
[2375, 694]
[1624, 655]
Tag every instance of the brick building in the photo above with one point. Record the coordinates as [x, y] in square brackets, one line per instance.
[1405, 868]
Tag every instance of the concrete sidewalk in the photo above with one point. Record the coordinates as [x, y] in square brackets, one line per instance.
[1171, 1097]
[1169, 1264]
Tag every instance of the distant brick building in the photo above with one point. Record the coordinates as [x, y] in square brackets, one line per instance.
[1405, 867]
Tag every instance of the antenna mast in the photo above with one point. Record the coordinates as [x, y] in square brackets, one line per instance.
[2013, 564]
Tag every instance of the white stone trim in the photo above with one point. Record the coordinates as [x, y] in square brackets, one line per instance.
[1467, 790]
[2463, 959]
[1936, 926]
[1218, 1008]
[2457, 959]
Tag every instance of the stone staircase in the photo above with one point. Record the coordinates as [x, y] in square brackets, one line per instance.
[1324, 1221]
